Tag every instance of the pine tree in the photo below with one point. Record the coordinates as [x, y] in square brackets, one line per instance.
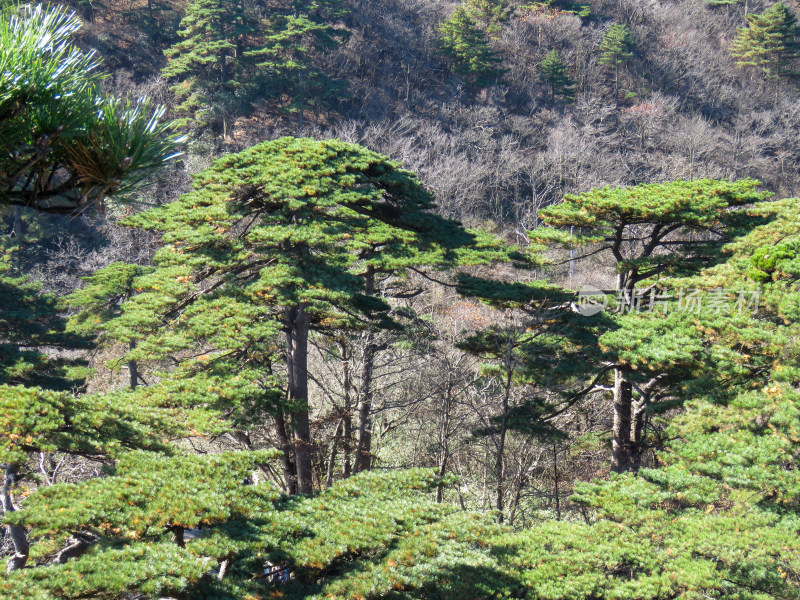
[645, 229]
[527, 362]
[31, 332]
[284, 61]
[554, 73]
[199, 527]
[287, 237]
[100, 300]
[468, 49]
[228, 56]
[491, 14]
[581, 9]
[616, 49]
[63, 143]
[207, 63]
[717, 517]
[769, 42]
[510, 366]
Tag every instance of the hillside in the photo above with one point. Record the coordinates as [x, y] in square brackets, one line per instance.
[683, 110]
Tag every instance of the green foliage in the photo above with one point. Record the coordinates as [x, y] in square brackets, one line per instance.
[491, 14]
[717, 518]
[555, 75]
[62, 141]
[582, 10]
[719, 515]
[284, 223]
[36, 420]
[772, 261]
[229, 56]
[617, 45]
[769, 42]
[293, 35]
[374, 535]
[29, 324]
[103, 293]
[287, 237]
[679, 204]
[34, 342]
[207, 62]
[468, 49]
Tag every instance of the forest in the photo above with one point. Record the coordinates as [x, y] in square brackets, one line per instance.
[421, 299]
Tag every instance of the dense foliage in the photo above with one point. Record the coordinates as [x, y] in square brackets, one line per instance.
[296, 375]
[769, 42]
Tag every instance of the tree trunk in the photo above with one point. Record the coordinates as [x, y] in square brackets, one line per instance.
[297, 362]
[501, 446]
[347, 417]
[364, 411]
[621, 435]
[364, 443]
[444, 435]
[17, 533]
[637, 433]
[289, 466]
[556, 481]
[133, 367]
[332, 455]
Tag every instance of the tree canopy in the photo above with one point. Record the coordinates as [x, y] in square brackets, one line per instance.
[554, 73]
[769, 42]
[468, 49]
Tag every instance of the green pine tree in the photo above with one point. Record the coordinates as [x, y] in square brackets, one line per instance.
[616, 49]
[229, 55]
[293, 35]
[285, 238]
[129, 534]
[490, 14]
[554, 73]
[769, 42]
[208, 63]
[468, 49]
[718, 516]
[63, 143]
[646, 231]
[100, 300]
